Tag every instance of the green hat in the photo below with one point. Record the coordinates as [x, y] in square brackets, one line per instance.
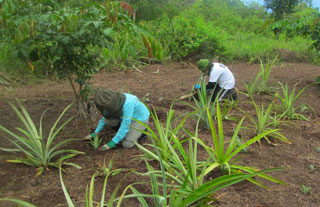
[203, 64]
[109, 103]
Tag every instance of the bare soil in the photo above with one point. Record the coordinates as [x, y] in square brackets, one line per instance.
[164, 83]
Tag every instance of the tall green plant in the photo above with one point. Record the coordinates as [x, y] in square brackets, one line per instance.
[181, 165]
[224, 156]
[288, 100]
[203, 100]
[163, 134]
[183, 175]
[258, 84]
[265, 70]
[266, 122]
[40, 151]
[228, 105]
[167, 195]
[252, 86]
[126, 52]
[89, 202]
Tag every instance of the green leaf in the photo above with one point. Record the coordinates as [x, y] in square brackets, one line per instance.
[96, 24]
[107, 31]
[19, 202]
[142, 201]
[66, 40]
[65, 191]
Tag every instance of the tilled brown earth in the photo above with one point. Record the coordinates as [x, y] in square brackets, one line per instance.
[160, 84]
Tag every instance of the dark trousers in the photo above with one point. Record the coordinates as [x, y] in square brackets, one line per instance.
[222, 93]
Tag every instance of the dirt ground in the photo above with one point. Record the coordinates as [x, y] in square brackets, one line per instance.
[163, 83]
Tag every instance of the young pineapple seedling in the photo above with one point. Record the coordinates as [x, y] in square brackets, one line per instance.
[311, 167]
[95, 141]
[288, 100]
[106, 169]
[146, 98]
[305, 190]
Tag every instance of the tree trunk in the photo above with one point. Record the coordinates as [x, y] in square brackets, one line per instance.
[71, 82]
[81, 102]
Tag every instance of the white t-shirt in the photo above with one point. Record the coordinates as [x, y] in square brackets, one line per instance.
[222, 75]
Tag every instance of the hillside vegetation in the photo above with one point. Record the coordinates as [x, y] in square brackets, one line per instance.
[116, 35]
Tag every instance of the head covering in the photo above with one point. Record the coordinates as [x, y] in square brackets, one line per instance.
[203, 64]
[109, 103]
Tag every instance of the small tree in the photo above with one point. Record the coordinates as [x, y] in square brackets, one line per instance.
[69, 38]
[280, 7]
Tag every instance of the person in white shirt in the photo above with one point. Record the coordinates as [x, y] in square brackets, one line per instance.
[221, 80]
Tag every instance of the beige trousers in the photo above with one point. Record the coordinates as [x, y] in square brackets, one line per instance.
[133, 134]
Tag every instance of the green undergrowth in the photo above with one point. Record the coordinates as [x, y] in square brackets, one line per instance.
[251, 47]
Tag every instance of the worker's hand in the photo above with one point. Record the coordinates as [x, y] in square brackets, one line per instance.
[89, 137]
[107, 146]
[197, 86]
[104, 148]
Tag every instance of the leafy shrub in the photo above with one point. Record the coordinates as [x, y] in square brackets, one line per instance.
[188, 35]
[221, 13]
[149, 10]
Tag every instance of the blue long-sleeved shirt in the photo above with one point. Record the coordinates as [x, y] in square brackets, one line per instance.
[132, 108]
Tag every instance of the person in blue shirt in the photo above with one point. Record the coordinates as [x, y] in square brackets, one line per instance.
[120, 110]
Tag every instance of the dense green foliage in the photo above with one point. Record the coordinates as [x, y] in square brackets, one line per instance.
[189, 35]
[233, 30]
[53, 37]
[70, 39]
[151, 10]
[280, 7]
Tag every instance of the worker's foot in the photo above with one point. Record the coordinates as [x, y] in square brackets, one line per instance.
[143, 137]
